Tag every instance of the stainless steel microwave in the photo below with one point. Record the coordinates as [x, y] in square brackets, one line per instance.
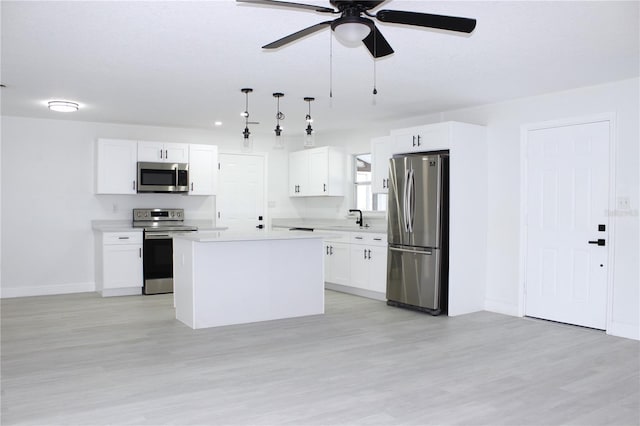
[163, 177]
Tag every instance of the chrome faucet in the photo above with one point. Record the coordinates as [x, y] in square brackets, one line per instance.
[359, 220]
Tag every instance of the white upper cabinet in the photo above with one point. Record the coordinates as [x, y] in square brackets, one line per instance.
[431, 137]
[163, 152]
[380, 154]
[116, 166]
[317, 172]
[203, 169]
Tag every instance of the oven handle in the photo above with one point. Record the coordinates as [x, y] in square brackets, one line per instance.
[157, 236]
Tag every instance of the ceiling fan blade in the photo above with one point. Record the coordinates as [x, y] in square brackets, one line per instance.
[288, 4]
[377, 44]
[298, 35]
[451, 23]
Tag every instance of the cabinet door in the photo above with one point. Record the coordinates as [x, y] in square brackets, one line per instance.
[203, 169]
[378, 269]
[433, 137]
[298, 173]
[380, 153]
[122, 266]
[359, 266]
[150, 151]
[176, 152]
[116, 166]
[339, 254]
[318, 172]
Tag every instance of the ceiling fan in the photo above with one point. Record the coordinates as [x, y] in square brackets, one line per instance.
[352, 27]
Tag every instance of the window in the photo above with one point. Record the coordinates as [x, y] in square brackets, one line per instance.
[365, 200]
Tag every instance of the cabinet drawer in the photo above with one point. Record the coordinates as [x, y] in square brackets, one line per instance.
[122, 238]
[338, 237]
[372, 239]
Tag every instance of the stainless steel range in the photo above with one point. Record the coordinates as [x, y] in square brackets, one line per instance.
[160, 225]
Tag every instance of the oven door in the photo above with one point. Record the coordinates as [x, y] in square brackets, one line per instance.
[158, 263]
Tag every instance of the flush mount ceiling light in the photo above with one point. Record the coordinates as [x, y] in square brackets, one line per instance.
[63, 106]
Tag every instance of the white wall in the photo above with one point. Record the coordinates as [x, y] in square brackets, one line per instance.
[45, 253]
[504, 121]
[48, 201]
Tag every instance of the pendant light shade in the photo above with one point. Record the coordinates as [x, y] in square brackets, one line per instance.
[278, 142]
[247, 141]
[309, 137]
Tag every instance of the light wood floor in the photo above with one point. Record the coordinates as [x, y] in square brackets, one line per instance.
[84, 360]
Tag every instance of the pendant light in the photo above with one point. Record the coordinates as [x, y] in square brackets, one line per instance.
[279, 144]
[247, 142]
[309, 136]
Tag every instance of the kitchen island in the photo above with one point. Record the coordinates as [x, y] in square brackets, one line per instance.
[224, 278]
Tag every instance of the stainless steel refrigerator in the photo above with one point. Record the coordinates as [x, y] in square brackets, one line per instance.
[418, 229]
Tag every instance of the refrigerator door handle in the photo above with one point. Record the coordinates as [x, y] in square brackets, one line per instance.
[404, 250]
[405, 207]
[411, 203]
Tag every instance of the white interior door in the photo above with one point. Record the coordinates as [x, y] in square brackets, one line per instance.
[241, 192]
[566, 208]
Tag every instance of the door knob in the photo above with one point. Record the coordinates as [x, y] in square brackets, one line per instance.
[599, 241]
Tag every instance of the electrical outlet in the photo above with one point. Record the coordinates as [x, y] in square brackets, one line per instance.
[623, 203]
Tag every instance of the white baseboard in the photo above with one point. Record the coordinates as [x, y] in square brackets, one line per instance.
[356, 291]
[501, 307]
[127, 291]
[46, 290]
[624, 330]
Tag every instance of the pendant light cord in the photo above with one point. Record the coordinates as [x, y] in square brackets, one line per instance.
[375, 54]
[330, 68]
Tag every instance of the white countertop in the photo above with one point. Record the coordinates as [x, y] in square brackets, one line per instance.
[328, 225]
[126, 226]
[228, 236]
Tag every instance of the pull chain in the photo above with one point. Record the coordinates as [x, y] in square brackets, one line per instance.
[330, 69]
[375, 54]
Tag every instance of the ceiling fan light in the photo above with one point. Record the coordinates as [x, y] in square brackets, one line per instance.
[63, 106]
[351, 33]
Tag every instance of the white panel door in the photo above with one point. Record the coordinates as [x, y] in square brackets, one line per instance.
[241, 195]
[567, 200]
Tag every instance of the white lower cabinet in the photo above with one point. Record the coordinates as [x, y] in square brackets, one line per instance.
[369, 262]
[336, 265]
[118, 263]
[357, 261]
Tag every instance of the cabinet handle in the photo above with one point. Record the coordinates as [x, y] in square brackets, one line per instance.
[324, 187]
[327, 250]
[418, 140]
[166, 151]
[384, 183]
[377, 239]
[161, 154]
[365, 253]
[331, 250]
[133, 185]
[369, 254]
[140, 253]
[192, 186]
[358, 238]
[123, 238]
[414, 140]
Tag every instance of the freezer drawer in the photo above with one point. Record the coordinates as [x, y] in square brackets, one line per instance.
[413, 278]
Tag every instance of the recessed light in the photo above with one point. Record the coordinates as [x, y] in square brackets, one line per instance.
[217, 123]
[63, 106]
